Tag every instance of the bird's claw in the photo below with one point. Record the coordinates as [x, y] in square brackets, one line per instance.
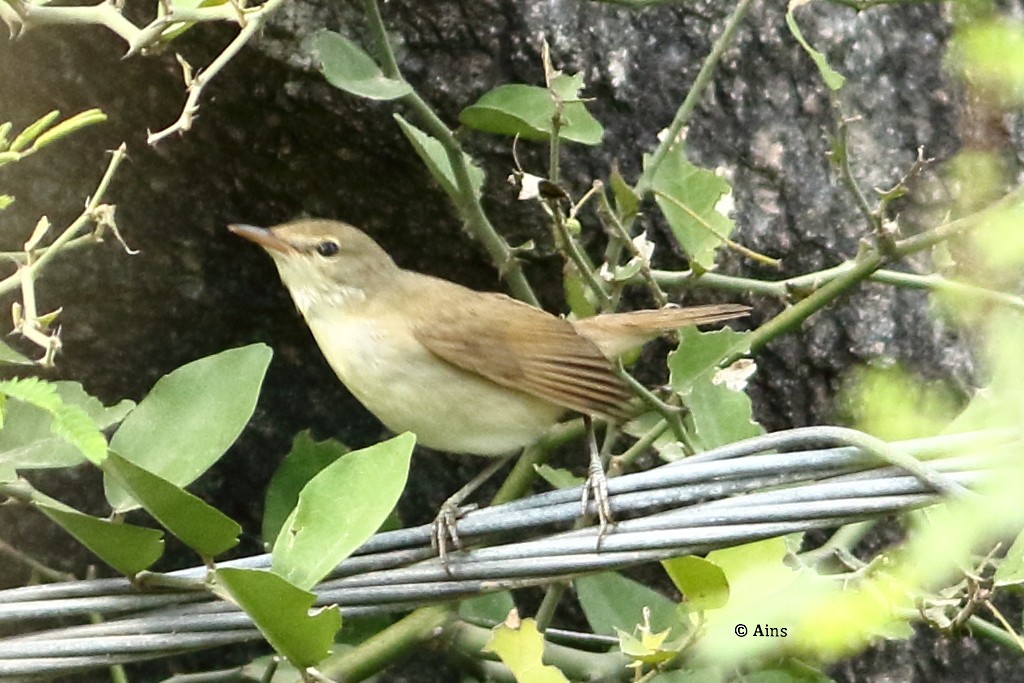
[444, 532]
[596, 487]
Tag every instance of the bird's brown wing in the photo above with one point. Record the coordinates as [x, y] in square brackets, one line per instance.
[524, 348]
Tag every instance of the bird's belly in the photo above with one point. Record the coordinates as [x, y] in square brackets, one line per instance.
[409, 389]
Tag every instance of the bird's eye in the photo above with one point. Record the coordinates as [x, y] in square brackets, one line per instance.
[327, 248]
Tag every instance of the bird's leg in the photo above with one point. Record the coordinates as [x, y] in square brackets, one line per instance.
[444, 529]
[597, 483]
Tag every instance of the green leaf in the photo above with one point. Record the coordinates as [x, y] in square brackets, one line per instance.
[190, 417]
[699, 353]
[720, 411]
[894, 404]
[578, 294]
[720, 414]
[527, 111]
[833, 79]
[335, 515]
[204, 529]
[128, 549]
[558, 478]
[69, 422]
[688, 196]
[306, 458]
[9, 356]
[487, 607]
[347, 67]
[27, 136]
[5, 201]
[1011, 568]
[989, 54]
[281, 612]
[80, 120]
[27, 441]
[627, 202]
[521, 649]
[702, 583]
[434, 156]
[610, 601]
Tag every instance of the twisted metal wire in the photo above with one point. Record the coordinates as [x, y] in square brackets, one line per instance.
[776, 484]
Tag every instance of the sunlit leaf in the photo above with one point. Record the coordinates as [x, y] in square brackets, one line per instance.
[521, 648]
[204, 529]
[67, 421]
[190, 417]
[334, 515]
[305, 460]
[281, 612]
[702, 583]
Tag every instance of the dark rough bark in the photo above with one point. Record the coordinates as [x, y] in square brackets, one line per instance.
[274, 141]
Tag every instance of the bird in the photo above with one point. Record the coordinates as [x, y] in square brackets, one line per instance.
[467, 372]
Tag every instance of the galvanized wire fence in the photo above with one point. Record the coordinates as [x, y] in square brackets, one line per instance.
[786, 482]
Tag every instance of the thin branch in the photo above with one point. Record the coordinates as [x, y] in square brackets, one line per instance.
[253, 24]
[467, 202]
[686, 109]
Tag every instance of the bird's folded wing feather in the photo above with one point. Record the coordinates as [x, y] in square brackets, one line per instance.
[525, 348]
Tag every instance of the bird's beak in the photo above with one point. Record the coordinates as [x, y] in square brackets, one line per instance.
[261, 236]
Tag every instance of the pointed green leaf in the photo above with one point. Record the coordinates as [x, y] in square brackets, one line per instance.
[611, 601]
[702, 583]
[521, 649]
[833, 79]
[190, 417]
[33, 131]
[527, 111]
[335, 515]
[204, 529]
[627, 202]
[282, 613]
[9, 356]
[434, 156]
[69, 422]
[306, 458]
[28, 442]
[80, 120]
[688, 196]
[128, 549]
[347, 67]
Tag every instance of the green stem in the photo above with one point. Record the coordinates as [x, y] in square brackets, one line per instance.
[523, 473]
[466, 200]
[385, 647]
[693, 97]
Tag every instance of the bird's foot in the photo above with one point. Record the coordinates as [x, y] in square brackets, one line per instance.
[596, 488]
[444, 530]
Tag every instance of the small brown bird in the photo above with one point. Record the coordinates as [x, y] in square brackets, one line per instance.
[465, 371]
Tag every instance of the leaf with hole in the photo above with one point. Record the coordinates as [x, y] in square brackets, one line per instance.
[334, 515]
[282, 613]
